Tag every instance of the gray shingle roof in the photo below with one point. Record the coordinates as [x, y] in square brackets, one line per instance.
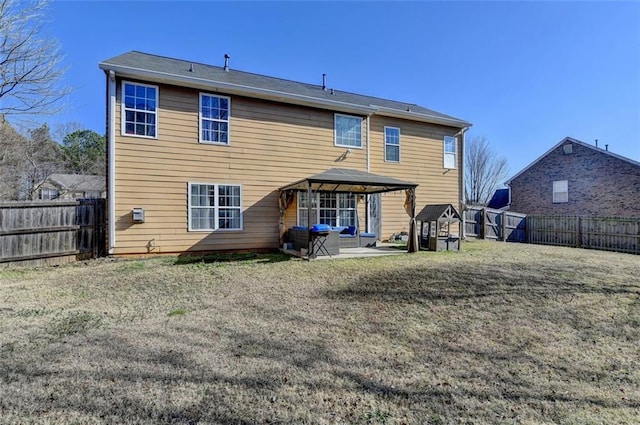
[351, 181]
[78, 182]
[434, 212]
[177, 70]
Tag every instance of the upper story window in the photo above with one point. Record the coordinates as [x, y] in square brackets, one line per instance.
[215, 206]
[348, 131]
[391, 144]
[214, 119]
[560, 191]
[139, 106]
[450, 152]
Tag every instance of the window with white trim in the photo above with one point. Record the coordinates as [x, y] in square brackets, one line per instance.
[348, 131]
[450, 152]
[392, 144]
[49, 194]
[214, 119]
[560, 191]
[139, 109]
[215, 206]
[334, 209]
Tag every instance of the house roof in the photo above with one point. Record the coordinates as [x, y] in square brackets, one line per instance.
[78, 182]
[349, 181]
[437, 211]
[500, 199]
[162, 69]
[572, 140]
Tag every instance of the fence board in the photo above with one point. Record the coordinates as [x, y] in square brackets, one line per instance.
[40, 230]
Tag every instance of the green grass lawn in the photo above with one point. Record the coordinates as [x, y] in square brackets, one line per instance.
[498, 333]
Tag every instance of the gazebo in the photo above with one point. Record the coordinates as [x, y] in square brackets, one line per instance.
[339, 180]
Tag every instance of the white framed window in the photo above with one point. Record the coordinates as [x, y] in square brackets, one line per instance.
[49, 194]
[392, 144]
[348, 131]
[560, 191]
[334, 209]
[215, 206]
[450, 152]
[214, 119]
[139, 110]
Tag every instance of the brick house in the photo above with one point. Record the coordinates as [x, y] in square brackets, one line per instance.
[575, 178]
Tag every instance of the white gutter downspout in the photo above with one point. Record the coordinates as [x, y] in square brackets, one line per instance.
[366, 217]
[463, 197]
[111, 142]
[368, 143]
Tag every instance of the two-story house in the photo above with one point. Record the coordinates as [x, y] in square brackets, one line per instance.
[197, 155]
[576, 178]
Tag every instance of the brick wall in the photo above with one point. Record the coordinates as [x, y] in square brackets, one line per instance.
[599, 184]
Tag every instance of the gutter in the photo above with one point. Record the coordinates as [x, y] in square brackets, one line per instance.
[268, 94]
[415, 116]
[111, 143]
[238, 89]
[463, 197]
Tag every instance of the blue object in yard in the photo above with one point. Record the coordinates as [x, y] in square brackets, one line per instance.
[321, 228]
[368, 235]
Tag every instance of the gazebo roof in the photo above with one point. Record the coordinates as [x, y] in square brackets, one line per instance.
[349, 181]
[438, 212]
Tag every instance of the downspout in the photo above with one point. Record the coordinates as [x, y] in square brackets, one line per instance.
[111, 143]
[366, 204]
[463, 195]
[368, 143]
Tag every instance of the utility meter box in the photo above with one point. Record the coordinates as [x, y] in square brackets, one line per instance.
[138, 215]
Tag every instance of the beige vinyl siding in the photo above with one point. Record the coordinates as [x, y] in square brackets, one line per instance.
[270, 145]
[421, 162]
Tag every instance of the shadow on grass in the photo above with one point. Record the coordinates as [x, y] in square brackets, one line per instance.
[441, 282]
[243, 257]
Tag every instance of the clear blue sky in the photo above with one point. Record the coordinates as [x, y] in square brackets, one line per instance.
[525, 74]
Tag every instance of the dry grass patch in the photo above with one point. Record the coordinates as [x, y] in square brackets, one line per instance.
[499, 333]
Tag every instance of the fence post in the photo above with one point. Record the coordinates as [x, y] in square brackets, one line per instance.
[579, 233]
[483, 223]
[503, 217]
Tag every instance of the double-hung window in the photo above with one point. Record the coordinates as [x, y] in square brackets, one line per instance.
[214, 119]
[391, 144]
[334, 209]
[348, 131]
[450, 152]
[215, 206]
[139, 109]
[560, 191]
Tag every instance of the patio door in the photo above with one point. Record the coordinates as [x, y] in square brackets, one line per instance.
[374, 214]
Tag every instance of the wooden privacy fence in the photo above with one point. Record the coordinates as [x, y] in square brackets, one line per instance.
[43, 230]
[602, 233]
[486, 223]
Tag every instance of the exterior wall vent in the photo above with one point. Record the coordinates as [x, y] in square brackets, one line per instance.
[567, 149]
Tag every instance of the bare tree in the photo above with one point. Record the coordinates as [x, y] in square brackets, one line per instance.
[26, 161]
[30, 62]
[485, 170]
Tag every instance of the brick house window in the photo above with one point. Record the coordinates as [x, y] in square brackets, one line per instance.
[560, 191]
